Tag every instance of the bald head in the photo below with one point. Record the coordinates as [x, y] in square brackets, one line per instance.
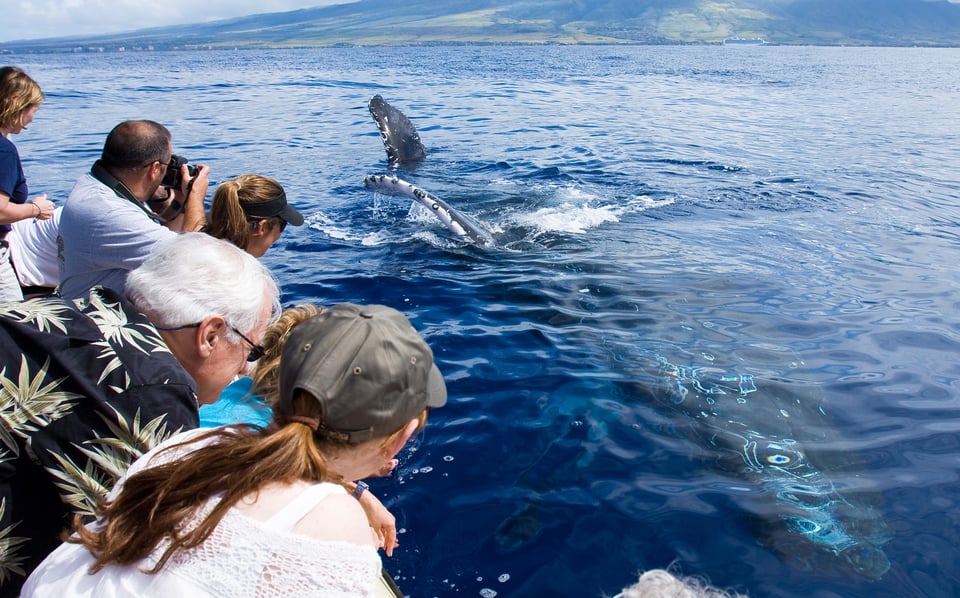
[134, 144]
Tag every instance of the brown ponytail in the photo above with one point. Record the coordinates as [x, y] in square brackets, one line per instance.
[154, 504]
[227, 219]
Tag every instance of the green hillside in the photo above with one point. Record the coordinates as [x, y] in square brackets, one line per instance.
[383, 22]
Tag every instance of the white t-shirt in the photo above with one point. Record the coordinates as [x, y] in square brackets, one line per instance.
[33, 250]
[242, 557]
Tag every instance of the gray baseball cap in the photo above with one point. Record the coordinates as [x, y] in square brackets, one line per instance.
[366, 366]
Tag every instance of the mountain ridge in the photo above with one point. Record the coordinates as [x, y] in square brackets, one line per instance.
[932, 23]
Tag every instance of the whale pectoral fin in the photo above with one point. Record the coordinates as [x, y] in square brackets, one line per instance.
[400, 138]
[457, 222]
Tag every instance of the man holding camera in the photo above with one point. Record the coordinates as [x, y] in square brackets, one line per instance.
[107, 227]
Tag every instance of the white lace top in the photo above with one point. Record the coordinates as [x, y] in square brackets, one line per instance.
[243, 557]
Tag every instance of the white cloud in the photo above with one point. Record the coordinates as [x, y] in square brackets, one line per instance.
[32, 19]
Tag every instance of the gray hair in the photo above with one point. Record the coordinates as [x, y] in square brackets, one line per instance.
[194, 276]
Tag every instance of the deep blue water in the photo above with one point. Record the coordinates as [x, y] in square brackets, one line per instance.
[776, 224]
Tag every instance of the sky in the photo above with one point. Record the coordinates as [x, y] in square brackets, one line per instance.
[33, 19]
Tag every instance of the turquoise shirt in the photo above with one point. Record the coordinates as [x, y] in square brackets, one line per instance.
[237, 404]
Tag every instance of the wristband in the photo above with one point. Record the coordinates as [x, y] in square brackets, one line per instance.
[39, 211]
[358, 492]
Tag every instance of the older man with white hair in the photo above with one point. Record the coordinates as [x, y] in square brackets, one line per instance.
[87, 386]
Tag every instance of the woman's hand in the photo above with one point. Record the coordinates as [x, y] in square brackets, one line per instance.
[387, 469]
[383, 523]
[45, 207]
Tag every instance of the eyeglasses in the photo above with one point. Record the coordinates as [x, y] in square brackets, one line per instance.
[256, 351]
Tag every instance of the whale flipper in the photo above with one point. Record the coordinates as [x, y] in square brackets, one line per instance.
[400, 137]
[458, 222]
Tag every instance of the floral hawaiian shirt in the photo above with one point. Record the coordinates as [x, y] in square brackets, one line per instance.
[86, 387]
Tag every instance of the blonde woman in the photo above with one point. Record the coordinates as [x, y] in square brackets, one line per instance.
[251, 211]
[243, 511]
[20, 98]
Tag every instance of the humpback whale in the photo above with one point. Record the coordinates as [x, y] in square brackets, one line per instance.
[458, 222]
[732, 416]
[400, 137]
[403, 145]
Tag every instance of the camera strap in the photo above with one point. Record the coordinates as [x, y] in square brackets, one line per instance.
[99, 172]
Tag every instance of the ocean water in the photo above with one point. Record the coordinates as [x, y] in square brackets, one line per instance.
[720, 329]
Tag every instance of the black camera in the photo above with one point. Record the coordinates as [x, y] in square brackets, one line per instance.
[172, 179]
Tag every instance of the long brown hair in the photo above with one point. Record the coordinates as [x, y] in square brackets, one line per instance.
[227, 218]
[154, 504]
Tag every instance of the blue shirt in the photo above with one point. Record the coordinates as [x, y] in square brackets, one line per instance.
[237, 404]
[12, 181]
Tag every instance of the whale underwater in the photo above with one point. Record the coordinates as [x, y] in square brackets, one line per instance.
[752, 426]
[765, 439]
[404, 148]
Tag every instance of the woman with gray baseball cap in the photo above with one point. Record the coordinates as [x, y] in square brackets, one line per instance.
[243, 511]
